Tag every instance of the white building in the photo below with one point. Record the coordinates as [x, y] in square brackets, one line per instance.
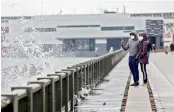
[168, 24]
[83, 33]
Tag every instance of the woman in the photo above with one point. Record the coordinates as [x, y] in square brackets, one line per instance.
[143, 55]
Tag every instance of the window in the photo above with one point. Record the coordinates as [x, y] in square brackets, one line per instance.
[117, 28]
[41, 29]
[27, 17]
[29, 30]
[111, 28]
[79, 44]
[82, 44]
[76, 26]
[127, 31]
[129, 28]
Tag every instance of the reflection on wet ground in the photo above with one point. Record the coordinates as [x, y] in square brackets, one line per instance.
[107, 96]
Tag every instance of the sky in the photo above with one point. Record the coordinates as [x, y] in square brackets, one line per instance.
[49, 7]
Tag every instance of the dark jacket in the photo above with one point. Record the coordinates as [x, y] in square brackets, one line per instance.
[142, 53]
[172, 46]
[149, 47]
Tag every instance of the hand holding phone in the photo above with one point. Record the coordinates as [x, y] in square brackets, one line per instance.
[122, 41]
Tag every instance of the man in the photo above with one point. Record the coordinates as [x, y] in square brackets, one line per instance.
[153, 45]
[172, 48]
[166, 49]
[133, 45]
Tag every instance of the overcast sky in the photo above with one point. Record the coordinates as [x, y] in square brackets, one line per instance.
[33, 7]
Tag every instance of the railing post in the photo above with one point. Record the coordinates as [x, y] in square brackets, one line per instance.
[92, 74]
[42, 83]
[98, 71]
[104, 66]
[95, 73]
[79, 78]
[67, 93]
[65, 90]
[107, 61]
[76, 82]
[29, 97]
[14, 100]
[87, 74]
[71, 86]
[51, 99]
[58, 92]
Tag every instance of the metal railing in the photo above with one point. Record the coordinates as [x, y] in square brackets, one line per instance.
[56, 92]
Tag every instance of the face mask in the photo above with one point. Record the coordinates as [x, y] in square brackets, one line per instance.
[132, 37]
[140, 38]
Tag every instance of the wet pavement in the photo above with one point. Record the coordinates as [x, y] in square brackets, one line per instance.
[161, 77]
[138, 98]
[107, 97]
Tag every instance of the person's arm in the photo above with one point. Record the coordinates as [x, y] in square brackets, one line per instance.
[144, 51]
[125, 47]
[138, 53]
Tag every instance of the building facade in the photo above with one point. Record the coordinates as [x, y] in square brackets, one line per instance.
[84, 35]
[168, 22]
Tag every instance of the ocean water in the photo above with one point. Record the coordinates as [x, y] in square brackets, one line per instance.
[19, 71]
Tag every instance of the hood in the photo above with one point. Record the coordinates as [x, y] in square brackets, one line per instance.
[135, 34]
[144, 35]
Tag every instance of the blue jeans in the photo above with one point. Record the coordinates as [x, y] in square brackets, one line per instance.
[148, 53]
[133, 65]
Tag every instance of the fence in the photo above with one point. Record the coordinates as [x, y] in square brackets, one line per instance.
[56, 92]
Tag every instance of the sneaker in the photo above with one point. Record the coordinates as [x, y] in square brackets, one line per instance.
[134, 84]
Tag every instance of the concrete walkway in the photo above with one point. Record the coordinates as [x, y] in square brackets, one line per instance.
[138, 98]
[108, 95]
[161, 78]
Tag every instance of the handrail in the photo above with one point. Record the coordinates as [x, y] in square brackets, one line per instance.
[56, 91]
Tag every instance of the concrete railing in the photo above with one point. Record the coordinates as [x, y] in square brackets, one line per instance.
[56, 92]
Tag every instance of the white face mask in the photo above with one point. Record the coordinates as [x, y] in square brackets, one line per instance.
[140, 38]
[132, 37]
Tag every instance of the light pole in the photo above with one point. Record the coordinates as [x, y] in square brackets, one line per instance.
[41, 8]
